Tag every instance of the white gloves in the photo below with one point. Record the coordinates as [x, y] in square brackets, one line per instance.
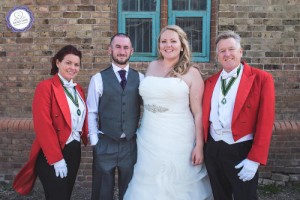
[61, 168]
[248, 171]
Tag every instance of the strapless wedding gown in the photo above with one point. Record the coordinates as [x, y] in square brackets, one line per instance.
[165, 140]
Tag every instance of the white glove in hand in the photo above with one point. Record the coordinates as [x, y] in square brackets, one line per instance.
[61, 168]
[248, 171]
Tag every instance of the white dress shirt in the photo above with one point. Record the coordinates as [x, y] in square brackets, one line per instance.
[76, 121]
[95, 91]
[221, 114]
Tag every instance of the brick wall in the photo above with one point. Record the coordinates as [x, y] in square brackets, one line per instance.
[16, 136]
[284, 158]
[25, 57]
[270, 31]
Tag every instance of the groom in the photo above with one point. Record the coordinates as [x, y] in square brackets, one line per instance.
[113, 114]
[238, 116]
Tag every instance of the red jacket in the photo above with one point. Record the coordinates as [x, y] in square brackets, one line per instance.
[253, 112]
[52, 126]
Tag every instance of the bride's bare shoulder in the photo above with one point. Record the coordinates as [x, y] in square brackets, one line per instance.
[152, 67]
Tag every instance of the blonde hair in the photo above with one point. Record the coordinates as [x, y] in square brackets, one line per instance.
[183, 65]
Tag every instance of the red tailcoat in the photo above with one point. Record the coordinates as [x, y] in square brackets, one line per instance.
[253, 112]
[52, 126]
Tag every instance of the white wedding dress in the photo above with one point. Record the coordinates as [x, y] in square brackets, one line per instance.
[165, 139]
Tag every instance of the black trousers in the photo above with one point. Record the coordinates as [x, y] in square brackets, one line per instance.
[220, 160]
[109, 155]
[57, 188]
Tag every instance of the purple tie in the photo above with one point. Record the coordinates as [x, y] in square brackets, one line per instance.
[123, 78]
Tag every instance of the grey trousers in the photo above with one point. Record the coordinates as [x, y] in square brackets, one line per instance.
[109, 155]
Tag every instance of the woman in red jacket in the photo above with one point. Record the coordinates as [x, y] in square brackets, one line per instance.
[60, 122]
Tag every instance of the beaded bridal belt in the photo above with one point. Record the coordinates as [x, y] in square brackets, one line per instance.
[154, 108]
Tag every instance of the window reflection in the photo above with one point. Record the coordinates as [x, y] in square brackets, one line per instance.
[189, 5]
[193, 28]
[138, 5]
[140, 32]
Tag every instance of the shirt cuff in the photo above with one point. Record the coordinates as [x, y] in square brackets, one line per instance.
[94, 139]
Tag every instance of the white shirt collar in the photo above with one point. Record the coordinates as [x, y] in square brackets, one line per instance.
[232, 73]
[116, 68]
[63, 79]
[65, 82]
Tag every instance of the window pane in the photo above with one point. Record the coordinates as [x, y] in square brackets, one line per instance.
[138, 5]
[189, 4]
[130, 5]
[148, 5]
[193, 28]
[140, 32]
[180, 5]
[198, 5]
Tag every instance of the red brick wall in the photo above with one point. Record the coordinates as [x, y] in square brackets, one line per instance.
[16, 136]
[270, 33]
[284, 158]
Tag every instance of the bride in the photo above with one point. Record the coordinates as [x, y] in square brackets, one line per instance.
[170, 140]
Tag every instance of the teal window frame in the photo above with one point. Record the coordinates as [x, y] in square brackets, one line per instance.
[205, 15]
[154, 16]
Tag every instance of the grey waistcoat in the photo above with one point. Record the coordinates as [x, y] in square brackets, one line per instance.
[119, 110]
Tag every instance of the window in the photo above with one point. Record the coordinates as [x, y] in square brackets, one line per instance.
[193, 16]
[140, 19]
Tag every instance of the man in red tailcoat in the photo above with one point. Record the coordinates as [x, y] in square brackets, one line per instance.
[238, 117]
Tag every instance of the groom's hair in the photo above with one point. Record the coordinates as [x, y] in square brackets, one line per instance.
[119, 35]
